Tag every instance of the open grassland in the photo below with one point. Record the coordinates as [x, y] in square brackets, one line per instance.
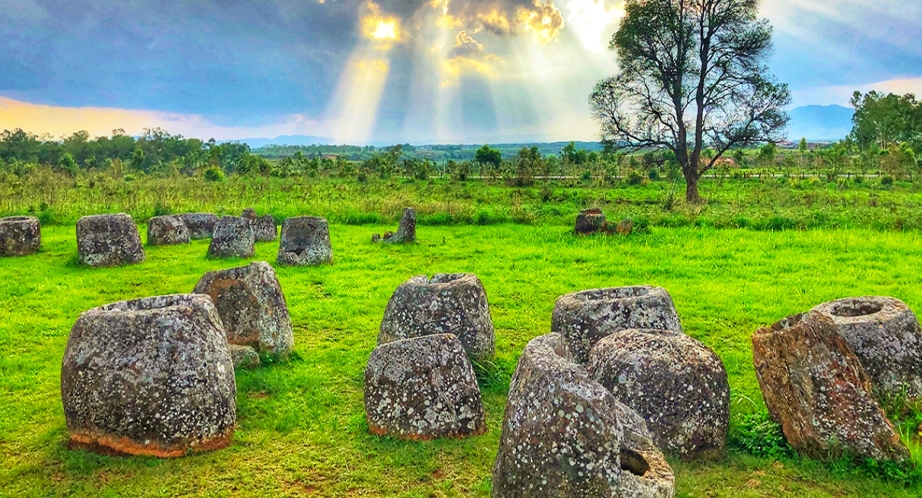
[301, 427]
[759, 204]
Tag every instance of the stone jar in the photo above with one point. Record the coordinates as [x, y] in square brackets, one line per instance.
[151, 376]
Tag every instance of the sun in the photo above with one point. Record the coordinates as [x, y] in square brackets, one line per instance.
[385, 30]
[380, 27]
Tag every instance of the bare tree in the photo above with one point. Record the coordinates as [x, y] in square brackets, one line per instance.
[693, 76]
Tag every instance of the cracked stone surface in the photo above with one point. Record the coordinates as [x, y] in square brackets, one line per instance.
[678, 385]
[200, 225]
[264, 227]
[232, 238]
[305, 242]
[151, 376]
[252, 307]
[815, 388]
[20, 235]
[885, 336]
[422, 388]
[585, 317]
[454, 303]
[167, 230]
[108, 240]
[564, 434]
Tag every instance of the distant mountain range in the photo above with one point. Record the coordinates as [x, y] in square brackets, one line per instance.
[819, 123]
[816, 123]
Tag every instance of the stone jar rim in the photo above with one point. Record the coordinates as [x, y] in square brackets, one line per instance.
[613, 293]
[153, 304]
[17, 219]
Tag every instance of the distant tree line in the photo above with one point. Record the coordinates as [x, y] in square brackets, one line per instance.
[886, 139]
[154, 152]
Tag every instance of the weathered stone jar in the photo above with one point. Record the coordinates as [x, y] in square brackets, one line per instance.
[815, 388]
[564, 434]
[585, 317]
[422, 388]
[406, 232]
[590, 221]
[678, 385]
[233, 238]
[453, 303]
[200, 225]
[108, 240]
[264, 227]
[20, 235]
[167, 230]
[885, 336]
[305, 242]
[252, 307]
[151, 376]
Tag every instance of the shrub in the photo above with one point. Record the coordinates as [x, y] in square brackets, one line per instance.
[634, 178]
[214, 174]
[161, 209]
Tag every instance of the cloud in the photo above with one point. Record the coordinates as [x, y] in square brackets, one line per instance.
[234, 67]
[465, 46]
[853, 42]
[543, 21]
[59, 121]
[232, 60]
[842, 94]
[468, 57]
[504, 18]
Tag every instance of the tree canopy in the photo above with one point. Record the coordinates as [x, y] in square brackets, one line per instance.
[884, 120]
[693, 76]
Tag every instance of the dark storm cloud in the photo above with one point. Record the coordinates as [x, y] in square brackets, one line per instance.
[235, 61]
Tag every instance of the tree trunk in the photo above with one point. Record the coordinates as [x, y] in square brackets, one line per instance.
[691, 189]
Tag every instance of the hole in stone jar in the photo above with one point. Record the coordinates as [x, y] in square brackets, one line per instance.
[444, 278]
[633, 462]
[855, 307]
[15, 218]
[611, 293]
[153, 303]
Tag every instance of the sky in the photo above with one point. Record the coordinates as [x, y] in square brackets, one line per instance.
[387, 71]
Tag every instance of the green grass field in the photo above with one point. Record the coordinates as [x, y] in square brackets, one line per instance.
[759, 204]
[301, 427]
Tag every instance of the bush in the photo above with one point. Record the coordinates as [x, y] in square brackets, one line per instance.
[214, 174]
[634, 178]
[161, 209]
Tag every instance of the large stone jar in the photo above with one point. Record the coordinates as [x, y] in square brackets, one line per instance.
[151, 376]
[108, 240]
